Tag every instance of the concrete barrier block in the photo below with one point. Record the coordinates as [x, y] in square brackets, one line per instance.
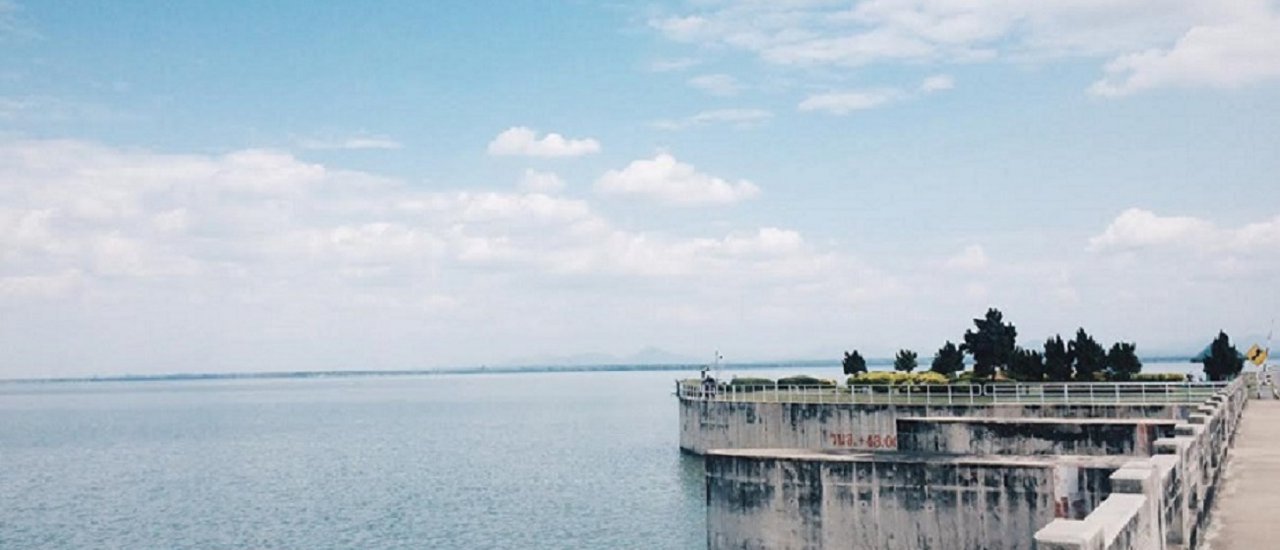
[1164, 466]
[1188, 430]
[1172, 445]
[1069, 534]
[1119, 514]
[1135, 478]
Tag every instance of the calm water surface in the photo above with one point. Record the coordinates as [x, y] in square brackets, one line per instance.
[573, 460]
[565, 460]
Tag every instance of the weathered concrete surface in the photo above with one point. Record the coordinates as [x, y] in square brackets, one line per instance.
[1164, 502]
[1248, 512]
[1032, 436]
[708, 425]
[799, 499]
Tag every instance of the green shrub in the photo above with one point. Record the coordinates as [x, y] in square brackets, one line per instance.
[804, 381]
[750, 381]
[748, 384]
[874, 379]
[1160, 377]
[898, 379]
[930, 379]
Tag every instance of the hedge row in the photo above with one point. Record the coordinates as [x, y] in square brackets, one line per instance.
[898, 379]
[801, 381]
[886, 378]
[1160, 377]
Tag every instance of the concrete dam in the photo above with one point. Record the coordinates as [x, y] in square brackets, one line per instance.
[1111, 466]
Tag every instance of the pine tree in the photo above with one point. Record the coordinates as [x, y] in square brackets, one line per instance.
[1123, 362]
[905, 361]
[991, 345]
[948, 361]
[1087, 356]
[1224, 361]
[1026, 366]
[854, 363]
[1057, 362]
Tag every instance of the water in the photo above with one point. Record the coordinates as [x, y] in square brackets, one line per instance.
[552, 460]
[571, 460]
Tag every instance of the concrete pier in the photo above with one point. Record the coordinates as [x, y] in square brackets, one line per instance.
[1099, 467]
[1248, 513]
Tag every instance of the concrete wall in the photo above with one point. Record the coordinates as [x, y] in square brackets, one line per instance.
[795, 499]
[708, 425]
[1031, 436]
[1162, 502]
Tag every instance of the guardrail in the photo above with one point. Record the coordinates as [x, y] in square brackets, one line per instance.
[1100, 393]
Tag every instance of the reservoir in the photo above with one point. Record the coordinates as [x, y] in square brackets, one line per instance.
[528, 460]
[552, 460]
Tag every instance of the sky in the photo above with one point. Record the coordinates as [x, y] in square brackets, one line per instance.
[212, 186]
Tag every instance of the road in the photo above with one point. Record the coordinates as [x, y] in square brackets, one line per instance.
[1248, 502]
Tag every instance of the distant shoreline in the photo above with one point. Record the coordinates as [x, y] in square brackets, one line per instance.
[529, 369]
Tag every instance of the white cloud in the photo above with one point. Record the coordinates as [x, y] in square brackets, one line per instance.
[843, 103]
[522, 141]
[535, 181]
[670, 181]
[972, 258]
[1141, 235]
[253, 251]
[716, 84]
[1136, 228]
[53, 109]
[50, 285]
[1171, 273]
[937, 83]
[354, 143]
[738, 118]
[278, 263]
[1230, 55]
[265, 172]
[1152, 43]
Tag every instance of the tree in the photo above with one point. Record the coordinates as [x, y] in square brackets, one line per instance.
[1123, 362]
[1026, 366]
[992, 345]
[948, 361]
[1057, 362]
[1223, 361]
[1088, 357]
[854, 363]
[905, 361]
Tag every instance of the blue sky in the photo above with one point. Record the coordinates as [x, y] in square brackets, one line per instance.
[206, 186]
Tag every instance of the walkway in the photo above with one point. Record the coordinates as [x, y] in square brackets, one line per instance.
[1245, 518]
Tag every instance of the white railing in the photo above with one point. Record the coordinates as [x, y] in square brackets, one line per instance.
[1101, 393]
